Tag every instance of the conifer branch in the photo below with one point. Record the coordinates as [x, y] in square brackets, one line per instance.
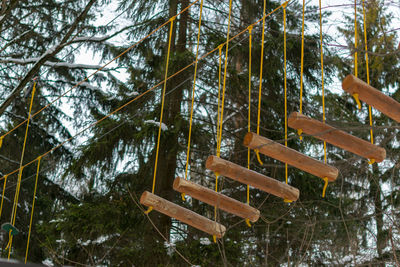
[50, 53]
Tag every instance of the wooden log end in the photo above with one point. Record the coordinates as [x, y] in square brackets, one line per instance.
[381, 152]
[177, 183]
[293, 120]
[349, 83]
[144, 196]
[296, 194]
[248, 138]
[210, 162]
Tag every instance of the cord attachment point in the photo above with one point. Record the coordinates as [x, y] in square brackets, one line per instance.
[148, 210]
[325, 186]
[355, 95]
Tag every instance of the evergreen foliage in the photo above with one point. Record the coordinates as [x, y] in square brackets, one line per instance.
[87, 210]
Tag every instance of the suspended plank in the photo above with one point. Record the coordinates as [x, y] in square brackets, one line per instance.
[219, 200]
[255, 179]
[336, 137]
[182, 214]
[290, 156]
[372, 96]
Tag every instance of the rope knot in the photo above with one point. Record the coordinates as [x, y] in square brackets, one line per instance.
[183, 196]
[220, 47]
[284, 5]
[148, 210]
[355, 95]
[248, 222]
[250, 28]
[258, 156]
[325, 186]
[371, 161]
[172, 19]
[299, 132]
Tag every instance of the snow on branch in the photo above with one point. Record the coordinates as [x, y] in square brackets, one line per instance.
[155, 123]
[90, 39]
[50, 63]
[45, 57]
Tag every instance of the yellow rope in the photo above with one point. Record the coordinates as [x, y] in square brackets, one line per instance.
[162, 107]
[323, 87]
[248, 123]
[2, 195]
[148, 210]
[355, 40]
[219, 90]
[1, 141]
[221, 117]
[16, 196]
[224, 81]
[33, 208]
[371, 161]
[260, 85]
[285, 79]
[300, 131]
[193, 93]
[325, 186]
[355, 96]
[285, 84]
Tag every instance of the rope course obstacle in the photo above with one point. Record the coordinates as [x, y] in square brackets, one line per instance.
[253, 141]
[337, 137]
[270, 148]
[218, 165]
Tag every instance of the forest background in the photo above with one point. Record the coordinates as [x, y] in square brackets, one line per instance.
[87, 209]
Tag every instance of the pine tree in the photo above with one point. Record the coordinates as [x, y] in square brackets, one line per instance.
[40, 40]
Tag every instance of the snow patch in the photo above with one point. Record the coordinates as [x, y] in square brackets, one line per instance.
[48, 262]
[134, 93]
[103, 238]
[155, 123]
[49, 63]
[90, 38]
[56, 221]
[170, 248]
[89, 86]
[205, 241]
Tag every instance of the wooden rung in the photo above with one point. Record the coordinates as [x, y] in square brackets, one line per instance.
[255, 179]
[336, 137]
[372, 96]
[290, 156]
[182, 214]
[219, 200]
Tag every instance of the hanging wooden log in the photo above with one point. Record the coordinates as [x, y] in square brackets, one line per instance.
[372, 96]
[290, 156]
[336, 137]
[182, 214]
[216, 199]
[255, 179]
